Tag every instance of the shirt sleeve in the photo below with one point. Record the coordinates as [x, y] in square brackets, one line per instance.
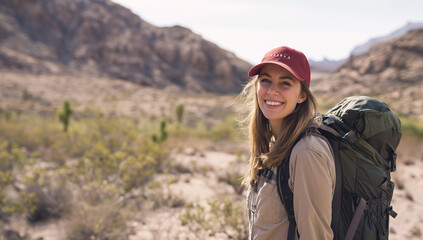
[312, 181]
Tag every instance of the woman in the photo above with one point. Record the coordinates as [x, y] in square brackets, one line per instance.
[281, 109]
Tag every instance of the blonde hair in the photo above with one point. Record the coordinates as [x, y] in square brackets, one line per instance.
[264, 153]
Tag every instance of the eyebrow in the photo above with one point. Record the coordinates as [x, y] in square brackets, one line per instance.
[283, 77]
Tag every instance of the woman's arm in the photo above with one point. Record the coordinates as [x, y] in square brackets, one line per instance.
[312, 182]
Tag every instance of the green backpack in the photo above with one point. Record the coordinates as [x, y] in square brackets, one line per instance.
[364, 134]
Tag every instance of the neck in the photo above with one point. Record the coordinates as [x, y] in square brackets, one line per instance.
[276, 126]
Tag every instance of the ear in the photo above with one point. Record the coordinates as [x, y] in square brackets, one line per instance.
[302, 97]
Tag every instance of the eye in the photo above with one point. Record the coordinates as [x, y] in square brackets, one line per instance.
[265, 81]
[285, 83]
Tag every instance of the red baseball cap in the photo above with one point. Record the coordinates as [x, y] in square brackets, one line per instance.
[290, 59]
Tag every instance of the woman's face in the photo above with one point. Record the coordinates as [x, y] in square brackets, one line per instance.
[278, 93]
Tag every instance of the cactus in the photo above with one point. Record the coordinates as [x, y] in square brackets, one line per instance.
[162, 135]
[65, 115]
[180, 112]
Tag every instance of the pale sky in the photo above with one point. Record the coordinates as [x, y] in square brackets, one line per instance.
[249, 28]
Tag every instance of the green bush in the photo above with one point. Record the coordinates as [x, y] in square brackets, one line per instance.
[91, 169]
[12, 165]
[235, 180]
[412, 127]
[10, 157]
[116, 151]
[152, 159]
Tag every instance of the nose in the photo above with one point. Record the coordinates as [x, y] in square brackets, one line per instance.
[272, 89]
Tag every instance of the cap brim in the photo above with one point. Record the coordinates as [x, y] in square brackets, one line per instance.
[256, 69]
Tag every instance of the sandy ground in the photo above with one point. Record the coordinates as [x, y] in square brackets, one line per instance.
[203, 186]
[408, 202]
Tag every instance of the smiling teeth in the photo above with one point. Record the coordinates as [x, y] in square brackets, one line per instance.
[273, 103]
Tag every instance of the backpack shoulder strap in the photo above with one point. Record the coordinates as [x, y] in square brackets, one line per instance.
[285, 193]
[287, 197]
[337, 195]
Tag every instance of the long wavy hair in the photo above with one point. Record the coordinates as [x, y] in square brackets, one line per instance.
[266, 151]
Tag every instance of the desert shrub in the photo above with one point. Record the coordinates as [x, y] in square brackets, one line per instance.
[9, 115]
[226, 130]
[132, 166]
[30, 131]
[235, 180]
[52, 196]
[5, 180]
[181, 168]
[98, 161]
[416, 232]
[36, 133]
[412, 127]
[223, 130]
[97, 215]
[158, 195]
[11, 157]
[152, 158]
[217, 217]
[12, 166]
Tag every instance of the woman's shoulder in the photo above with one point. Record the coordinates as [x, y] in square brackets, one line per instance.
[312, 140]
[314, 143]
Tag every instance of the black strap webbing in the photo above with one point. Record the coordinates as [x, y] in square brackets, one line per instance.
[288, 197]
[337, 195]
[285, 192]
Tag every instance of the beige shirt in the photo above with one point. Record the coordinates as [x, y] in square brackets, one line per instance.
[312, 181]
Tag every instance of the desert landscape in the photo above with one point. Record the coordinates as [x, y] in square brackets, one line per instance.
[204, 167]
[113, 128]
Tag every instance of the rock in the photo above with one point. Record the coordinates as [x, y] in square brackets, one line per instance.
[391, 70]
[191, 151]
[103, 38]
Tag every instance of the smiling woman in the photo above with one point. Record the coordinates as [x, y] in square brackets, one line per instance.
[282, 117]
[278, 94]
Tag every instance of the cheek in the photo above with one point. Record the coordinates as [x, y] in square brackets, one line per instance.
[259, 102]
[259, 90]
[260, 94]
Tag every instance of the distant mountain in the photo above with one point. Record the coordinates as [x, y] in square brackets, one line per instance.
[363, 48]
[99, 37]
[391, 70]
[325, 66]
[328, 66]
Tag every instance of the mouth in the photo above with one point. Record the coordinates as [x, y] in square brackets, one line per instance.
[273, 103]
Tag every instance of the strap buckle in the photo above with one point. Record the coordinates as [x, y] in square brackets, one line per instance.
[267, 173]
[391, 212]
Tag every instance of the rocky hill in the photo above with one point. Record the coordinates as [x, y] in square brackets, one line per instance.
[392, 70]
[101, 38]
[363, 48]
